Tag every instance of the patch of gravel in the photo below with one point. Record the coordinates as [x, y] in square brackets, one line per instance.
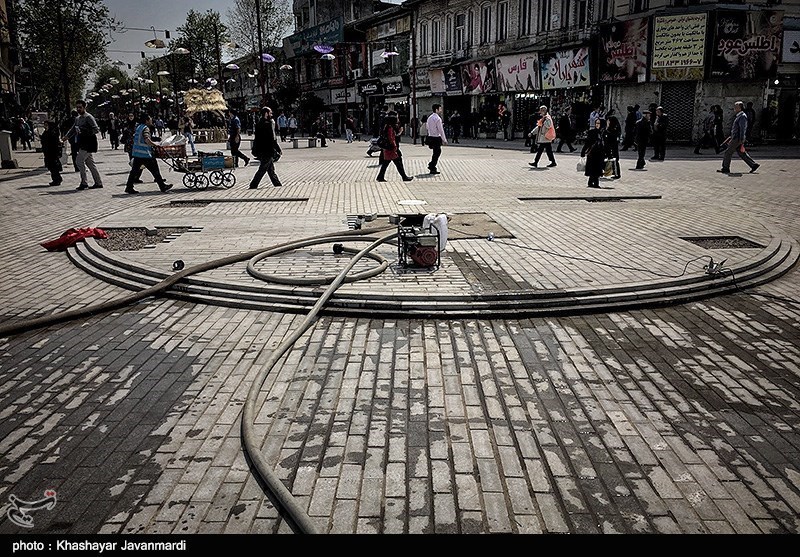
[133, 239]
[724, 242]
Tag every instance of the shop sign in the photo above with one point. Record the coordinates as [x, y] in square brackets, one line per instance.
[423, 80]
[679, 44]
[478, 77]
[791, 46]
[746, 44]
[372, 87]
[342, 96]
[393, 88]
[389, 28]
[436, 79]
[302, 42]
[565, 68]
[623, 51]
[517, 73]
[452, 80]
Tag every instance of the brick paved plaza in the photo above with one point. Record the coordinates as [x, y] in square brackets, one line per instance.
[683, 418]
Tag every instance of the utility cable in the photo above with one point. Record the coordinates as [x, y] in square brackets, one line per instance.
[584, 259]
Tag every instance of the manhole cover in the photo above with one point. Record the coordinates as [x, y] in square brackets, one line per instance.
[723, 242]
[412, 202]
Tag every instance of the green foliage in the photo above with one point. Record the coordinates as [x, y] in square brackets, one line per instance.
[276, 16]
[62, 41]
[204, 35]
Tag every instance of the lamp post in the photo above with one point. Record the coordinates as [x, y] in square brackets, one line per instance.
[260, 51]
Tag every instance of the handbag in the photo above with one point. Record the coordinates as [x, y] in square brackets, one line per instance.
[609, 169]
[581, 166]
[276, 155]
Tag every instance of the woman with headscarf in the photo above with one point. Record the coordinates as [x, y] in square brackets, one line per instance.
[391, 148]
[611, 142]
[595, 153]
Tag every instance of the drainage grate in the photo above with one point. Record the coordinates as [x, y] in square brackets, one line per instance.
[605, 200]
[723, 242]
[206, 202]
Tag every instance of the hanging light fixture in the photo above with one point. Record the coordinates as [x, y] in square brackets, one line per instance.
[232, 67]
[286, 67]
[181, 50]
[268, 58]
[323, 48]
[155, 42]
[328, 56]
[389, 53]
[163, 72]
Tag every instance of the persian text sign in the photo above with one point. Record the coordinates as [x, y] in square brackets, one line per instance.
[747, 44]
[565, 68]
[791, 47]
[679, 43]
[623, 56]
[302, 42]
[518, 72]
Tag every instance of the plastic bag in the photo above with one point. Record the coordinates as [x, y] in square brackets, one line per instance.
[609, 169]
[174, 140]
[433, 222]
[581, 166]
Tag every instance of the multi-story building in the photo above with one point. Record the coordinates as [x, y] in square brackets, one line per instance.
[475, 55]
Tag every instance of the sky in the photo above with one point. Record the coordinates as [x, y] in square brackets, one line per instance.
[161, 14]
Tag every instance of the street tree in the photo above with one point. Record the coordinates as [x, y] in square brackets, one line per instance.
[204, 35]
[64, 40]
[275, 16]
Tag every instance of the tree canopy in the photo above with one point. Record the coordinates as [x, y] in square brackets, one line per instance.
[205, 36]
[63, 40]
[276, 16]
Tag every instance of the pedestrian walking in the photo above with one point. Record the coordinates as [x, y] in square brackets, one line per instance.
[455, 123]
[65, 128]
[142, 152]
[611, 143]
[503, 119]
[188, 133]
[113, 130]
[292, 126]
[423, 130]
[391, 148]
[159, 125]
[86, 130]
[595, 153]
[642, 138]
[659, 138]
[265, 149]
[235, 138]
[436, 136]
[349, 128]
[630, 128]
[708, 138]
[51, 149]
[566, 131]
[283, 125]
[735, 142]
[544, 133]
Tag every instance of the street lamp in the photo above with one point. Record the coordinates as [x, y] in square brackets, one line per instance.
[155, 42]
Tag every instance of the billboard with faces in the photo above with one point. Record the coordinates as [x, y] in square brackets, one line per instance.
[747, 45]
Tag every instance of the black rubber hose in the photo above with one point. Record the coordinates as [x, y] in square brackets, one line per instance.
[249, 439]
[47, 320]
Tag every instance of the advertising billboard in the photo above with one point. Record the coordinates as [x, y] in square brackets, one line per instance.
[565, 68]
[679, 45]
[623, 51]
[519, 72]
[747, 45]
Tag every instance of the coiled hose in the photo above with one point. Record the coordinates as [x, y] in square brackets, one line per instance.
[298, 518]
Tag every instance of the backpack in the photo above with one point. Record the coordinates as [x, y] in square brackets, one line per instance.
[383, 140]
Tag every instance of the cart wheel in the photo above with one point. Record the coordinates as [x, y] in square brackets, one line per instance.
[201, 182]
[189, 180]
[228, 180]
[216, 178]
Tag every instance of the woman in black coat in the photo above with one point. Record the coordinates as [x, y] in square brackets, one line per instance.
[595, 154]
[611, 142]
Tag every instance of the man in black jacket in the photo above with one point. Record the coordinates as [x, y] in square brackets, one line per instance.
[265, 146]
[643, 131]
[659, 137]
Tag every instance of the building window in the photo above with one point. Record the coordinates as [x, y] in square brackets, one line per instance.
[470, 28]
[582, 15]
[423, 39]
[525, 13]
[459, 32]
[448, 33]
[602, 10]
[566, 20]
[544, 15]
[436, 37]
[639, 5]
[486, 24]
[502, 21]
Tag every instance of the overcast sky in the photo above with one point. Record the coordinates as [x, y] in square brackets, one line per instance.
[161, 14]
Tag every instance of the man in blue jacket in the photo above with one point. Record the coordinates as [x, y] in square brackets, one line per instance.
[736, 141]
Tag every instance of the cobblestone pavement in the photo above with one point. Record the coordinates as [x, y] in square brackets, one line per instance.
[681, 419]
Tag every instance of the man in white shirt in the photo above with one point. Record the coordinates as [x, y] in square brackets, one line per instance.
[436, 137]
